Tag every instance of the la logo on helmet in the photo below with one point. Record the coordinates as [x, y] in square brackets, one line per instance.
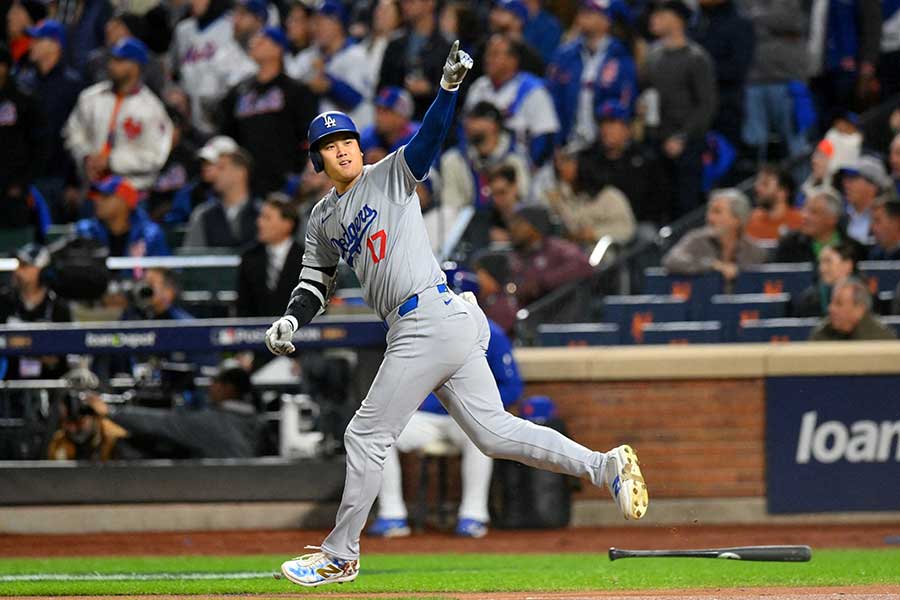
[329, 121]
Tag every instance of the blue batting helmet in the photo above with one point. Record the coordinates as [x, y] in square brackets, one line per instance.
[324, 125]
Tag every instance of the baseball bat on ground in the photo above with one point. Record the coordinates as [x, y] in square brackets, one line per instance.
[753, 553]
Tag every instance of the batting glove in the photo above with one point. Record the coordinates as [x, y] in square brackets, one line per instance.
[455, 69]
[278, 336]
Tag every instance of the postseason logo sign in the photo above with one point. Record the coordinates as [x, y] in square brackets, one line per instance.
[120, 340]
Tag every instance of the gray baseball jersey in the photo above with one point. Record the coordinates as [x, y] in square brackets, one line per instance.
[377, 228]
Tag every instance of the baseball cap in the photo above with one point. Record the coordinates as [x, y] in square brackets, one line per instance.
[259, 8]
[611, 8]
[114, 185]
[871, 169]
[48, 28]
[538, 409]
[516, 7]
[130, 48]
[34, 254]
[396, 99]
[333, 9]
[216, 147]
[276, 35]
[610, 109]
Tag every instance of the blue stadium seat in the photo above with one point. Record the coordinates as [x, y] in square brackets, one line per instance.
[631, 313]
[777, 330]
[697, 289]
[734, 309]
[893, 322]
[882, 275]
[683, 332]
[579, 334]
[775, 278]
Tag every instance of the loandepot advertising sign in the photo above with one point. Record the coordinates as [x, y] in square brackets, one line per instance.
[833, 443]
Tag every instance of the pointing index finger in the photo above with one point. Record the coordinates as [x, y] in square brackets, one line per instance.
[454, 51]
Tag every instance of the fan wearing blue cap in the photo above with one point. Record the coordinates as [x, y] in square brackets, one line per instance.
[393, 126]
[269, 113]
[510, 17]
[334, 66]
[119, 126]
[594, 68]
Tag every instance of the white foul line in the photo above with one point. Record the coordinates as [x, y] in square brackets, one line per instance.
[134, 576]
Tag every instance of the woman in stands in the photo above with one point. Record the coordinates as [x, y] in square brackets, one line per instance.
[837, 261]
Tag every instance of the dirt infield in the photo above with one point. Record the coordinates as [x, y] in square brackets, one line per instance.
[543, 541]
[836, 593]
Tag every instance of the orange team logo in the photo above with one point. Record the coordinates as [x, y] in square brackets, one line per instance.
[681, 289]
[873, 285]
[779, 339]
[773, 286]
[748, 315]
[679, 342]
[638, 320]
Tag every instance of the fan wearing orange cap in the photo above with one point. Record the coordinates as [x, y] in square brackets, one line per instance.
[120, 224]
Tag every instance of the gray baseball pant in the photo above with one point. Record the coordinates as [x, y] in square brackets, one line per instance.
[440, 346]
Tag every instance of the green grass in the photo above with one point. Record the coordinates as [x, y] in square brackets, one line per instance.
[432, 573]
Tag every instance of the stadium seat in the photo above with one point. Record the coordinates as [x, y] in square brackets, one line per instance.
[734, 309]
[579, 334]
[683, 332]
[881, 275]
[210, 279]
[776, 330]
[631, 313]
[775, 278]
[697, 289]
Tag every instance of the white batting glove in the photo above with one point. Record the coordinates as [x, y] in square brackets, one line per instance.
[278, 336]
[455, 69]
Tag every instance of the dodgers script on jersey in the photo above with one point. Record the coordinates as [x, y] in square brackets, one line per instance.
[376, 228]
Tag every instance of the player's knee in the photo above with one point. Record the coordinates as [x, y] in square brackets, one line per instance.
[489, 444]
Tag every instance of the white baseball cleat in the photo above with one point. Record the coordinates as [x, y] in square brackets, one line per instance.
[318, 568]
[626, 483]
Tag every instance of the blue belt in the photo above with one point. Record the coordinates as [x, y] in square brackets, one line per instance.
[411, 303]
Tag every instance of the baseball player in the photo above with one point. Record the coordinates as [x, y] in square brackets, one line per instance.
[436, 340]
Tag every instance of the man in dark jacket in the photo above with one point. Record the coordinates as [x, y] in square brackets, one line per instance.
[821, 226]
[22, 148]
[886, 230]
[269, 114]
[850, 316]
[416, 59]
[728, 38]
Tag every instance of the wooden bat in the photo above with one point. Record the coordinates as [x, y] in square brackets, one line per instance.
[753, 553]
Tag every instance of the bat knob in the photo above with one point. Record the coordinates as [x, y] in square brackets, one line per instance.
[612, 554]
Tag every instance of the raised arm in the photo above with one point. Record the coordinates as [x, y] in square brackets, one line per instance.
[425, 145]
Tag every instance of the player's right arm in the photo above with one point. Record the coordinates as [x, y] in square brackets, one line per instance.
[311, 294]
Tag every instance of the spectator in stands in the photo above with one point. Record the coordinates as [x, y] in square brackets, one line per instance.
[271, 269]
[230, 219]
[773, 216]
[780, 64]
[298, 29]
[721, 245]
[493, 272]
[22, 15]
[633, 167]
[119, 224]
[521, 97]
[460, 20]
[821, 225]
[248, 18]
[120, 26]
[156, 298]
[588, 213]
[729, 39]
[23, 149]
[886, 230]
[508, 17]
[332, 67]
[268, 114]
[202, 188]
[29, 300]
[820, 171]
[415, 59]
[863, 183]
[392, 127]
[119, 127]
[56, 87]
[593, 69]
[844, 39]
[503, 184]
[836, 263]
[207, 59]
[682, 74]
[84, 21]
[181, 168]
[487, 145]
[431, 424]
[850, 316]
[228, 429]
[387, 21]
[543, 263]
[542, 29]
[846, 141]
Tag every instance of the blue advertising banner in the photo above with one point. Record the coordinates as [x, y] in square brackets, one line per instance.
[833, 443]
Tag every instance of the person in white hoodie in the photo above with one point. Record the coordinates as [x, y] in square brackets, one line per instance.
[118, 126]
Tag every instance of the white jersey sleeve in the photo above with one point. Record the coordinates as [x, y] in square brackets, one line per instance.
[393, 175]
[319, 251]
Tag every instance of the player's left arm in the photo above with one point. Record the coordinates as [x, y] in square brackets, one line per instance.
[503, 366]
[425, 145]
